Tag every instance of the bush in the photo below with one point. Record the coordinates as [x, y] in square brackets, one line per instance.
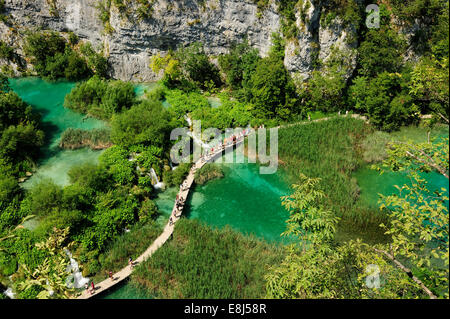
[146, 123]
[115, 161]
[53, 58]
[31, 292]
[381, 51]
[8, 264]
[176, 177]
[208, 172]
[101, 98]
[385, 99]
[239, 64]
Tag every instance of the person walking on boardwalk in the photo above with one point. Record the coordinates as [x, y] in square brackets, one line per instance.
[92, 288]
[111, 275]
[130, 262]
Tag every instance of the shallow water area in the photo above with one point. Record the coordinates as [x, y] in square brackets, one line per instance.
[47, 98]
[371, 184]
[244, 199]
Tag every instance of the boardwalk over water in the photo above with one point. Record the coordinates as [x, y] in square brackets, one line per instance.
[168, 229]
[178, 210]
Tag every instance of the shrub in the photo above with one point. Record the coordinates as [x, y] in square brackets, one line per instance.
[208, 172]
[101, 98]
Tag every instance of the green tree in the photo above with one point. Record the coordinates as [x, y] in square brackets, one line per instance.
[381, 50]
[145, 123]
[239, 64]
[385, 99]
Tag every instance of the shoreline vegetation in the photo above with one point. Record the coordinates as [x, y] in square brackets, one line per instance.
[222, 262]
[207, 173]
[95, 139]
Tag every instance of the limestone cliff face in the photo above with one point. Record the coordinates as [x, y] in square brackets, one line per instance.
[216, 23]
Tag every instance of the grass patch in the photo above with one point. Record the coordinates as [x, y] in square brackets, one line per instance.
[200, 262]
[332, 150]
[95, 139]
[130, 244]
[208, 172]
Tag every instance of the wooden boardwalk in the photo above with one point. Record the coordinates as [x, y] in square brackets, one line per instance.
[177, 211]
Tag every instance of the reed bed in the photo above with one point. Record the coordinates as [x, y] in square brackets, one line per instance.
[77, 138]
[332, 150]
[201, 262]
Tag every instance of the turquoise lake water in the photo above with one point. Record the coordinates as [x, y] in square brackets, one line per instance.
[47, 99]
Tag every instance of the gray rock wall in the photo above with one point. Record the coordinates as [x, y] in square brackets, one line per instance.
[216, 23]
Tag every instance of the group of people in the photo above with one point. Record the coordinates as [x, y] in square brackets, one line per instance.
[228, 141]
[179, 203]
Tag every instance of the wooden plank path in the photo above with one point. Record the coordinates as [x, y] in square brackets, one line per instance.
[168, 229]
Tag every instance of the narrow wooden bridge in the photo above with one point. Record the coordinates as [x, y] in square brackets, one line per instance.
[177, 211]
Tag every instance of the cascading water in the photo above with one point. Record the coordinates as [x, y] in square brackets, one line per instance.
[196, 139]
[157, 184]
[75, 279]
[9, 293]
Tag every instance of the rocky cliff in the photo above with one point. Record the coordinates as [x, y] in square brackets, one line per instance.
[129, 40]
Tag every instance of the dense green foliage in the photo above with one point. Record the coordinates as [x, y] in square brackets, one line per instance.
[20, 140]
[187, 68]
[101, 98]
[262, 82]
[146, 124]
[201, 262]
[239, 64]
[385, 99]
[176, 177]
[54, 58]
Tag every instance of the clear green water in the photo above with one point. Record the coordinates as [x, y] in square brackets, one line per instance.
[372, 184]
[141, 88]
[47, 99]
[125, 290]
[244, 199]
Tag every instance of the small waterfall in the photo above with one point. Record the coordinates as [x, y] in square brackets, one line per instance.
[188, 119]
[194, 137]
[156, 183]
[9, 293]
[75, 279]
